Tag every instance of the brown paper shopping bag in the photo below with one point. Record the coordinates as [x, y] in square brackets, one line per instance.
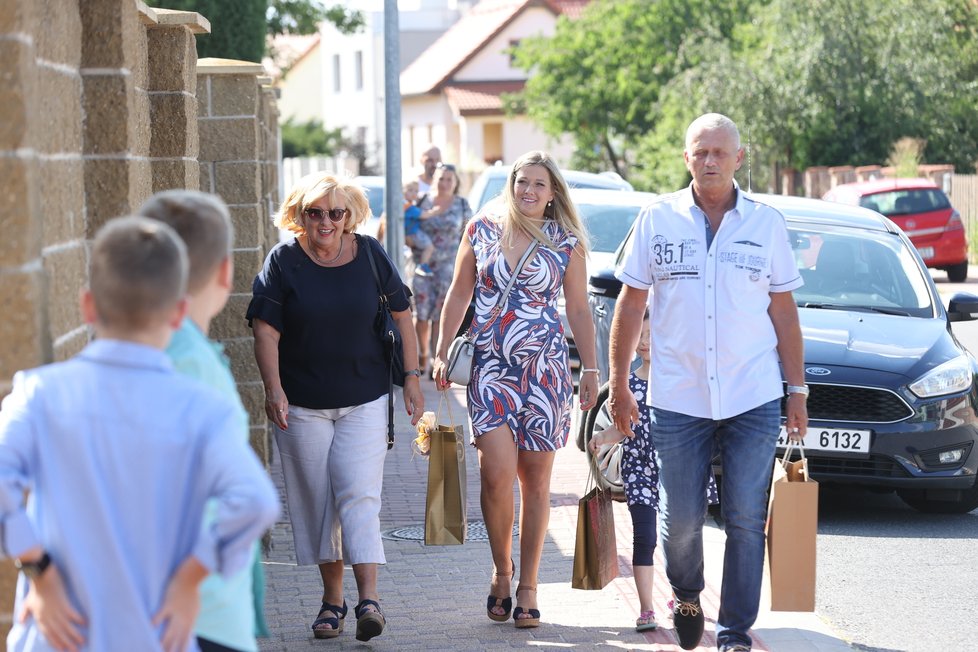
[792, 526]
[445, 509]
[595, 551]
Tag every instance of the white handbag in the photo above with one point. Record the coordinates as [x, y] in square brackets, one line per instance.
[458, 368]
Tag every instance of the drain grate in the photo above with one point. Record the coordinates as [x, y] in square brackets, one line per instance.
[476, 532]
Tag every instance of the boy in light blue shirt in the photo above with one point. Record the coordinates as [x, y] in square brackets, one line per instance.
[120, 455]
[231, 609]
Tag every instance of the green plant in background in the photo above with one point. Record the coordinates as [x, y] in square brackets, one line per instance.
[906, 156]
[311, 139]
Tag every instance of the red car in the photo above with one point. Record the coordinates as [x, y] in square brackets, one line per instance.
[923, 211]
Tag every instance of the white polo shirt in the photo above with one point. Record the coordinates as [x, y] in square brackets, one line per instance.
[713, 344]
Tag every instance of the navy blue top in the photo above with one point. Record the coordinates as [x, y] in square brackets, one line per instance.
[330, 355]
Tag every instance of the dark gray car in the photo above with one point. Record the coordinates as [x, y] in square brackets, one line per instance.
[893, 394]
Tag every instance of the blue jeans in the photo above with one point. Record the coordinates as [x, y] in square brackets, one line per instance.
[684, 447]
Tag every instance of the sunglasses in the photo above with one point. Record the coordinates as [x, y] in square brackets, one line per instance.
[334, 214]
[446, 166]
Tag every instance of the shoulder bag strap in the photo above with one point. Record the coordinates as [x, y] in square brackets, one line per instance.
[366, 244]
[504, 295]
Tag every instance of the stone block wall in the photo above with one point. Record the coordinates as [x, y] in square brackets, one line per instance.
[239, 153]
[98, 110]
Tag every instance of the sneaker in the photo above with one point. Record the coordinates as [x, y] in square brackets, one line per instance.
[687, 617]
[423, 270]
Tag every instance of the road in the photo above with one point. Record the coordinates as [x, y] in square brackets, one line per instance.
[893, 579]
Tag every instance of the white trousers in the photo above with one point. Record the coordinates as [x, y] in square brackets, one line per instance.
[333, 464]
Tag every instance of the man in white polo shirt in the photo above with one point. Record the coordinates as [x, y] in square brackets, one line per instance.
[716, 270]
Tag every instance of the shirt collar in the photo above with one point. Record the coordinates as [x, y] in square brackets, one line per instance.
[122, 353]
[741, 204]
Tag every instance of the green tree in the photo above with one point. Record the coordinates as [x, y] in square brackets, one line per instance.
[240, 28]
[833, 82]
[310, 139]
[599, 77]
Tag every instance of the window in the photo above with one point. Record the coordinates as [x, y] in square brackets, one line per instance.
[336, 73]
[513, 44]
[358, 70]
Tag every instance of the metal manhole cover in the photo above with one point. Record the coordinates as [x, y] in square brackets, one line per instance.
[476, 532]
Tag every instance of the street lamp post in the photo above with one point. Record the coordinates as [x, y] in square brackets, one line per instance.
[393, 207]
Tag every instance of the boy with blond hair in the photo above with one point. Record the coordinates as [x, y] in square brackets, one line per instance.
[120, 455]
[231, 609]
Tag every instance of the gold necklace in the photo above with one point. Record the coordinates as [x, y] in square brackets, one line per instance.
[331, 260]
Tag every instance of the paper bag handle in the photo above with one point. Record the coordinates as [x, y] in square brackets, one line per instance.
[443, 400]
[792, 444]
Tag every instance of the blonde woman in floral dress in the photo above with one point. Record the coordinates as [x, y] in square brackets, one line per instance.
[521, 390]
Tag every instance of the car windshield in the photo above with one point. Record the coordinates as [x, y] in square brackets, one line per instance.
[607, 225]
[847, 269]
[906, 202]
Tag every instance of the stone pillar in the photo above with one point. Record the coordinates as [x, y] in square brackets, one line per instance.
[173, 146]
[238, 128]
[42, 208]
[114, 80]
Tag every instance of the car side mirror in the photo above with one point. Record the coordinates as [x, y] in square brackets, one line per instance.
[605, 284]
[962, 307]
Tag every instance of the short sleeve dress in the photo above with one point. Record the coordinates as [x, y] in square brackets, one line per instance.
[445, 231]
[521, 369]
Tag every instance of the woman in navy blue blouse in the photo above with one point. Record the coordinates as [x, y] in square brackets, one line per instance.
[326, 380]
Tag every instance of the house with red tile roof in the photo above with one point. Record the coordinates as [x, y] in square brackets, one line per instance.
[451, 94]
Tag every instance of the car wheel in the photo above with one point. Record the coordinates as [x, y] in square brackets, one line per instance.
[917, 498]
[598, 418]
[958, 273]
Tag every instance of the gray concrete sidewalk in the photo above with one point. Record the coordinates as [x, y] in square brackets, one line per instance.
[434, 597]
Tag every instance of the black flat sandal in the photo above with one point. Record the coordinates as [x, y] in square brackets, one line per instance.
[335, 621]
[369, 623]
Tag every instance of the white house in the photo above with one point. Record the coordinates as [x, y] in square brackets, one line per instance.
[450, 95]
[339, 78]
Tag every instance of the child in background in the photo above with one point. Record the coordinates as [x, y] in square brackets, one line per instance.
[231, 609]
[415, 238]
[640, 477]
[120, 455]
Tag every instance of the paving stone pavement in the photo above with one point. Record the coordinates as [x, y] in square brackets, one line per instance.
[434, 597]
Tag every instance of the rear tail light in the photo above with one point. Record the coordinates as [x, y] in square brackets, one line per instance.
[954, 222]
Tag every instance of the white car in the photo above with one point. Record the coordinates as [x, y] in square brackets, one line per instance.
[491, 181]
[608, 216]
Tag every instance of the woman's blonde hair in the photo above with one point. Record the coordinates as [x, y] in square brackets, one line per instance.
[562, 210]
[313, 187]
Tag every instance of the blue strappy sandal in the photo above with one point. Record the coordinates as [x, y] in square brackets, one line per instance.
[369, 623]
[335, 621]
[534, 614]
[506, 604]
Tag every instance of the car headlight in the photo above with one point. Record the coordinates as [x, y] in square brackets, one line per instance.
[951, 377]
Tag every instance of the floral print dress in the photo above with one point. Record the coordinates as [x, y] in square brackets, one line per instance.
[639, 469]
[521, 370]
[445, 231]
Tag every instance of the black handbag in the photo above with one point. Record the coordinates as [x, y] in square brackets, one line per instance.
[390, 336]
